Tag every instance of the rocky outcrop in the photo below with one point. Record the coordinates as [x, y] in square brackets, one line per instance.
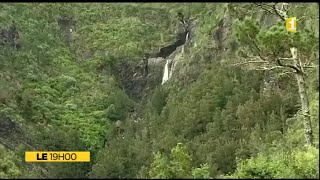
[139, 79]
[10, 35]
[156, 61]
[7, 126]
[168, 50]
[175, 58]
[11, 133]
[221, 35]
[67, 26]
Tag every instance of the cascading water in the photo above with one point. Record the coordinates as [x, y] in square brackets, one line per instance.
[165, 72]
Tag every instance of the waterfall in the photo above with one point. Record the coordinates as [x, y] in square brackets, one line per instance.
[165, 72]
[187, 36]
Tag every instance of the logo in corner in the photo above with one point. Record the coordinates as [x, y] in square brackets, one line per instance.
[291, 24]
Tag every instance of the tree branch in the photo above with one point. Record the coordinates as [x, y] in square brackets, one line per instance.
[268, 68]
[260, 5]
[309, 66]
[285, 73]
[310, 18]
[287, 10]
[285, 58]
[257, 47]
[277, 12]
[247, 62]
[288, 73]
[274, 11]
[288, 65]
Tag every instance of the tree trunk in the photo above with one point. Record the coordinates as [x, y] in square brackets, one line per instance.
[300, 76]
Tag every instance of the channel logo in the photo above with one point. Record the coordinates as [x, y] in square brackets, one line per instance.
[291, 24]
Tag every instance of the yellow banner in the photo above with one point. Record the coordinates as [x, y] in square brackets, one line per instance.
[57, 156]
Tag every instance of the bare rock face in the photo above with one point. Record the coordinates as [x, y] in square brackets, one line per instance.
[10, 35]
[11, 133]
[221, 35]
[67, 26]
[7, 126]
[138, 79]
[177, 56]
[156, 61]
[168, 50]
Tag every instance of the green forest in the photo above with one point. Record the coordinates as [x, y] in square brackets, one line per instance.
[160, 90]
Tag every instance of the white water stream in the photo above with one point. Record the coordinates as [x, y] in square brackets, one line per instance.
[165, 72]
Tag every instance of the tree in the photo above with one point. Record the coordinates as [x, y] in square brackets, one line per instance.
[281, 163]
[159, 167]
[178, 165]
[267, 49]
[180, 161]
[8, 165]
[202, 172]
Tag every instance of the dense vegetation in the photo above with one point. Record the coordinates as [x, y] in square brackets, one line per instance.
[216, 117]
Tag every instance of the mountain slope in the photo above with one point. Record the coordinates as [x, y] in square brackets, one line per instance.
[90, 77]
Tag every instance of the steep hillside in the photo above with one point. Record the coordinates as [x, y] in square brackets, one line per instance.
[160, 90]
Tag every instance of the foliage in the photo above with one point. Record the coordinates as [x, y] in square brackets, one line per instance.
[8, 167]
[178, 165]
[180, 161]
[274, 40]
[159, 167]
[199, 124]
[202, 172]
[295, 164]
